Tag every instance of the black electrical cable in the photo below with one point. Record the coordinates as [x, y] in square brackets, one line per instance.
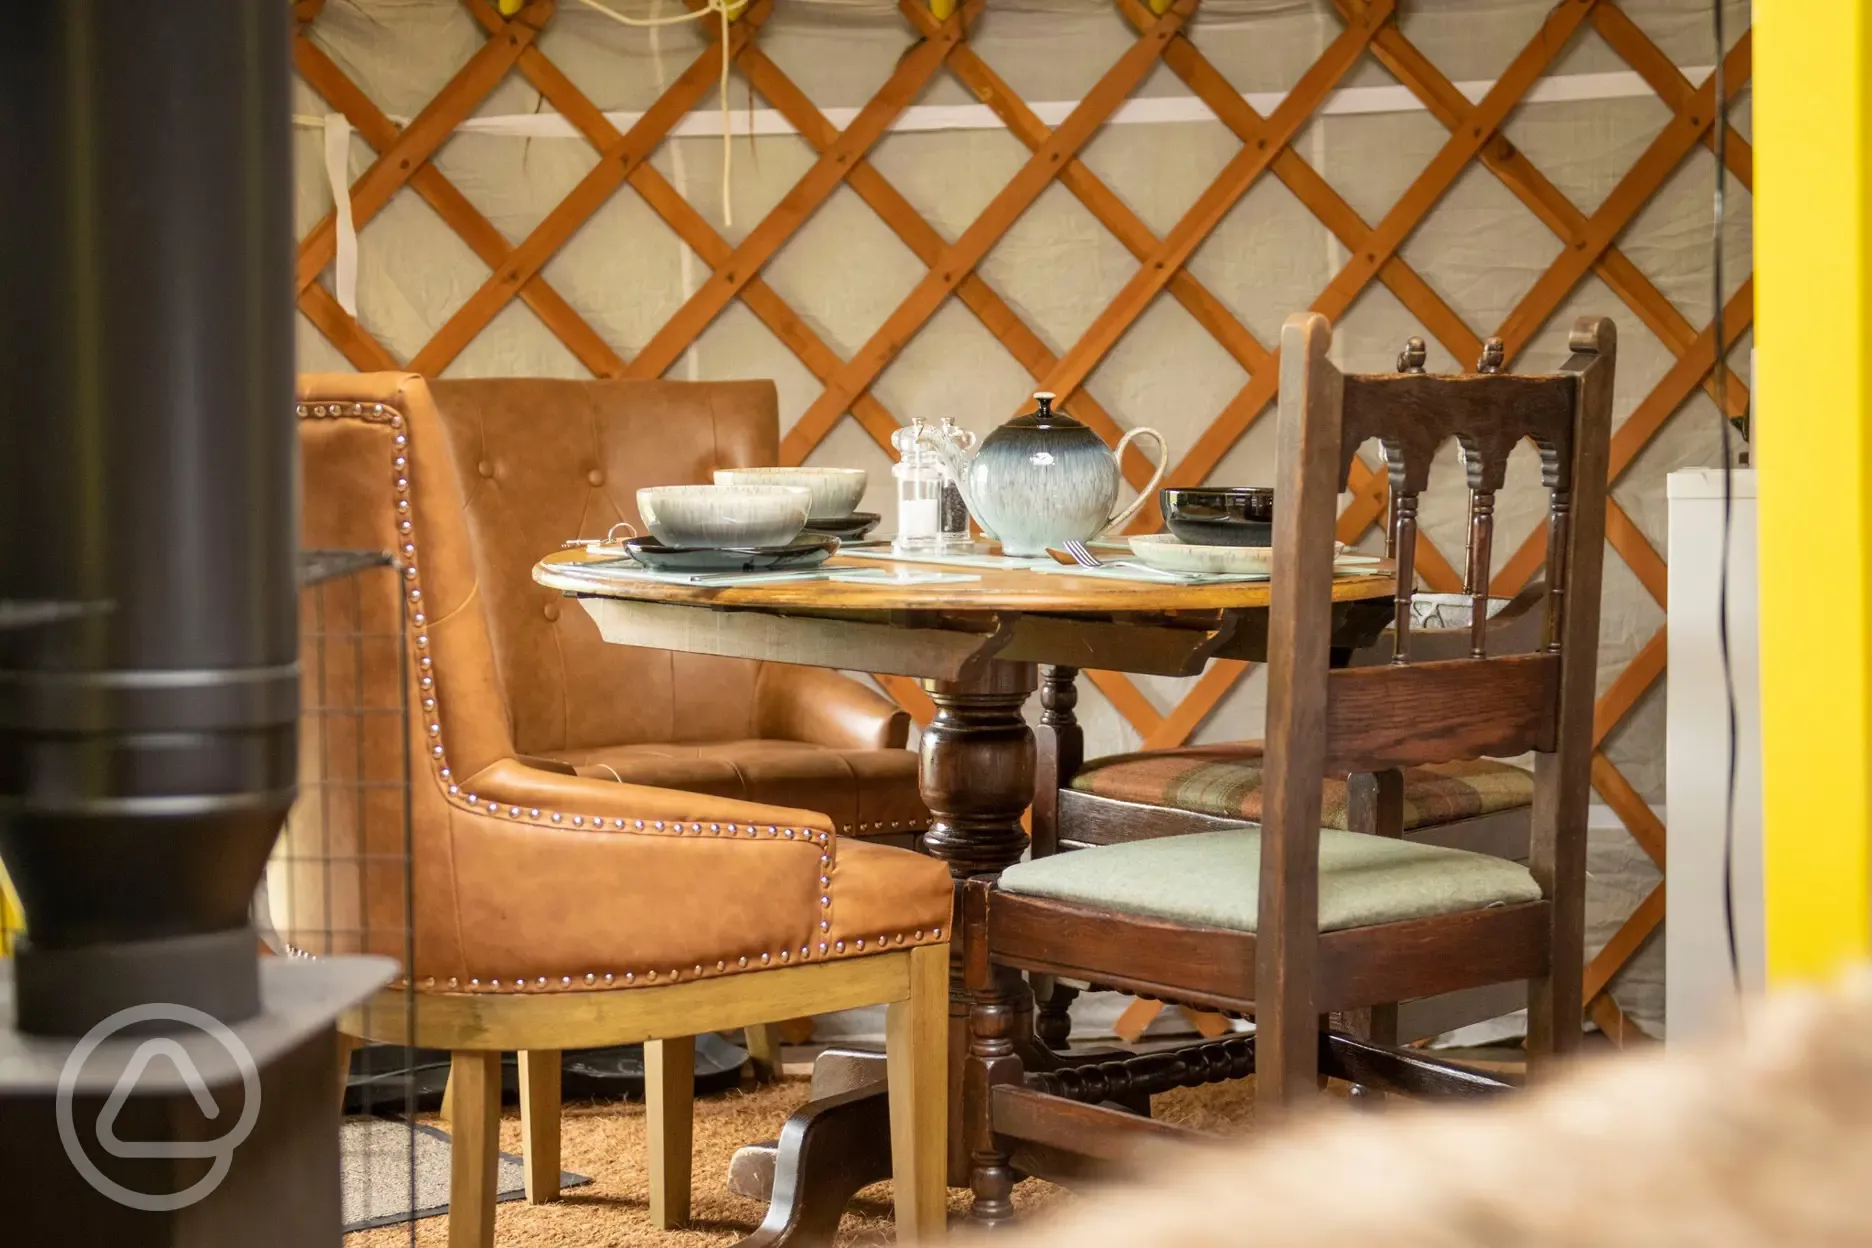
[1721, 375]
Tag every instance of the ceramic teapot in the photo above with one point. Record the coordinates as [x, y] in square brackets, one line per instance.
[1044, 478]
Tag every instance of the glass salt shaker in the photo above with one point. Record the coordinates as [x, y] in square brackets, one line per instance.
[919, 491]
[952, 512]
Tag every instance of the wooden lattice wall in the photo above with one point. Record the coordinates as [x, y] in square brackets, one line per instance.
[939, 45]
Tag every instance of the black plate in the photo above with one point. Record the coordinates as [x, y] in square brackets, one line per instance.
[846, 528]
[1241, 515]
[806, 551]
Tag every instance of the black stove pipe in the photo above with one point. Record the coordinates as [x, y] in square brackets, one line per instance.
[147, 469]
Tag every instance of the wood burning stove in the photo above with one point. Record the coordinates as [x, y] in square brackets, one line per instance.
[146, 745]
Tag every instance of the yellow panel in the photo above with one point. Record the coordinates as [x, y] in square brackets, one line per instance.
[11, 921]
[1813, 224]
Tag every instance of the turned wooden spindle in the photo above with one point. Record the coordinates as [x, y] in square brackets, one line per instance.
[1404, 550]
[992, 991]
[1059, 751]
[1411, 358]
[1493, 356]
[1059, 745]
[1558, 518]
[1481, 540]
[1147, 1074]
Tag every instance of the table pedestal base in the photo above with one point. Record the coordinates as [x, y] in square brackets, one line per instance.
[839, 1142]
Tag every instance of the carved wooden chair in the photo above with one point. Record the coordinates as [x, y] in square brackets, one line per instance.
[1292, 922]
[1476, 804]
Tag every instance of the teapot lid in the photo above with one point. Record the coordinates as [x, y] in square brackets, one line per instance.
[1044, 417]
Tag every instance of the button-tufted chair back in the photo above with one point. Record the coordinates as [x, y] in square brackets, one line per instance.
[499, 847]
[542, 460]
[377, 476]
[471, 482]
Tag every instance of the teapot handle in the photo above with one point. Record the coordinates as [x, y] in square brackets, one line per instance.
[1163, 462]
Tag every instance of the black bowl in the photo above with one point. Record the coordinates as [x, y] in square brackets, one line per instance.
[1238, 515]
[850, 528]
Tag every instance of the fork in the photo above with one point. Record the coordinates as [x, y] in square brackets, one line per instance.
[1080, 555]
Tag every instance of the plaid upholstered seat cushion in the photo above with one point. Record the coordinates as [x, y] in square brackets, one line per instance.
[1225, 781]
[1213, 879]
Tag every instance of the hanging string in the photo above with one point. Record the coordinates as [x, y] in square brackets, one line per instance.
[729, 9]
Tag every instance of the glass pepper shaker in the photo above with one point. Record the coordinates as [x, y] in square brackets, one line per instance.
[920, 480]
[952, 511]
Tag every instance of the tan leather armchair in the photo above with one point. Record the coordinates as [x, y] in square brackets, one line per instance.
[542, 460]
[555, 910]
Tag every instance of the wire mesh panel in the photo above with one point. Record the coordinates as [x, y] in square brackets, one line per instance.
[339, 881]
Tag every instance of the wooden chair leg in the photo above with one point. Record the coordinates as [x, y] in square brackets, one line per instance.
[991, 1060]
[763, 1048]
[1555, 1018]
[1052, 1010]
[539, 1123]
[669, 1101]
[474, 1152]
[1287, 1041]
[916, 1050]
[347, 1045]
[447, 1114]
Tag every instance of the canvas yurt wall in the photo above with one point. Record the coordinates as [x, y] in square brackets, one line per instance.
[933, 213]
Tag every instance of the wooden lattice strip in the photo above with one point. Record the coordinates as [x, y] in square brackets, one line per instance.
[1259, 137]
[1624, 536]
[1339, 217]
[1480, 124]
[615, 163]
[1631, 684]
[906, 81]
[760, 298]
[1611, 1020]
[1130, 231]
[1628, 686]
[918, 235]
[1675, 386]
[1631, 437]
[1681, 133]
[1305, 99]
[1188, 715]
[1128, 700]
[1625, 942]
[1343, 221]
[1635, 47]
[961, 257]
[1105, 206]
[1313, 191]
[1547, 202]
[353, 341]
[324, 76]
[1587, 243]
[689, 225]
[419, 140]
[1633, 811]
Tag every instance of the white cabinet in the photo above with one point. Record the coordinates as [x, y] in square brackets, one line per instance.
[1699, 985]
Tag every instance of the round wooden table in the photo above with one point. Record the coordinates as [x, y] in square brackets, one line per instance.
[975, 647]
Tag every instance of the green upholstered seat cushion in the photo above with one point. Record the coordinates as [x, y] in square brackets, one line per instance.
[1225, 781]
[1212, 879]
